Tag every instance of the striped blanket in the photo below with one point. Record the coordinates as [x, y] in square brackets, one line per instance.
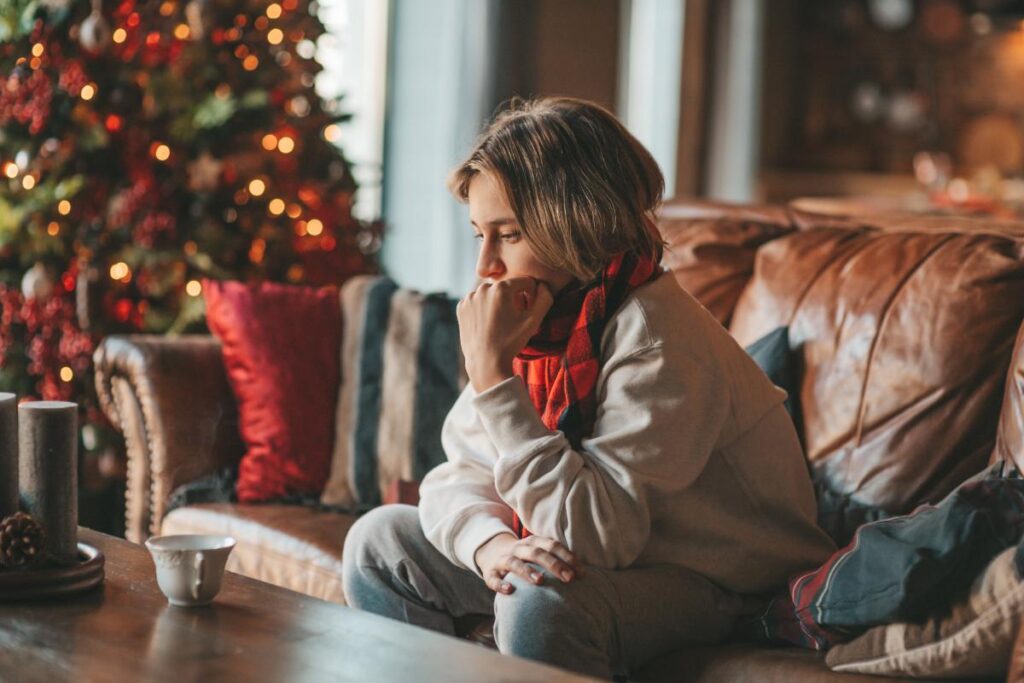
[401, 370]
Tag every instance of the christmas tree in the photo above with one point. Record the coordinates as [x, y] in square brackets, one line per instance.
[145, 146]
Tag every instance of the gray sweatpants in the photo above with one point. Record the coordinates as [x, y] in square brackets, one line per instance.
[608, 622]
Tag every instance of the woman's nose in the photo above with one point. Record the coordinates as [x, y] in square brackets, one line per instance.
[488, 263]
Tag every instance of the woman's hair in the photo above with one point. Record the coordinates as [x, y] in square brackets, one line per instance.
[583, 189]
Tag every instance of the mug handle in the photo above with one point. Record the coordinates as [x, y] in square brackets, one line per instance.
[200, 566]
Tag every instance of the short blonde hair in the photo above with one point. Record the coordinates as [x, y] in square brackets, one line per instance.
[583, 189]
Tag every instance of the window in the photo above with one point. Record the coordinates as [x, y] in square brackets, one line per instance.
[353, 54]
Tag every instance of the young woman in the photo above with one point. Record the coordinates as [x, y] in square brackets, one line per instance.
[619, 470]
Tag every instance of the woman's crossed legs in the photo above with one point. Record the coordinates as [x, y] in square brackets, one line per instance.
[606, 622]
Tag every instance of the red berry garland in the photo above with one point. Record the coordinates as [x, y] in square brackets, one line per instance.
[26, 98]
[51, 338]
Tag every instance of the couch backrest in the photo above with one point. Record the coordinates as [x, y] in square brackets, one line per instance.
[711, 248]
[905, 328]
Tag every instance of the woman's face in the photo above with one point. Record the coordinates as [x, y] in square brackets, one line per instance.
[504, 252]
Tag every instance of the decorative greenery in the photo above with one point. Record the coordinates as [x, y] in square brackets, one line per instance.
[145, 146]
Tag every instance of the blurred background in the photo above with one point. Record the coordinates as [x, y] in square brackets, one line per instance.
[887, 105]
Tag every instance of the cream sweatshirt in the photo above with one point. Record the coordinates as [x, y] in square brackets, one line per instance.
[693, 460]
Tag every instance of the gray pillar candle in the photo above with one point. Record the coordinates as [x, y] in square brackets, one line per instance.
[48, 440]
[8, 454]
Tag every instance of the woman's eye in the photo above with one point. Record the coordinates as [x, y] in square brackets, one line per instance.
[510, 236]
[478, 238]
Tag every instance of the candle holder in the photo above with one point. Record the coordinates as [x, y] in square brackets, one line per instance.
[40, 556]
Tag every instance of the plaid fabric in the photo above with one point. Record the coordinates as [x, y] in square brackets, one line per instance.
[560, 363]
[904, 568]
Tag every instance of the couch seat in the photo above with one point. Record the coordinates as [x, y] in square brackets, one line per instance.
[750, 664]
[287, 545]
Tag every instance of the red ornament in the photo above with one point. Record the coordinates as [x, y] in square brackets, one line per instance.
[123, 310]
[310, 197]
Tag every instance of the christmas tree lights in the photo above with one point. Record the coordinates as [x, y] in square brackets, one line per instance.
[145, 146]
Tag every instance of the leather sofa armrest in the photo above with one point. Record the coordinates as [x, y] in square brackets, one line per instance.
[171, 400]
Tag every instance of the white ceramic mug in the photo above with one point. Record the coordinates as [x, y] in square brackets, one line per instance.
[189, 567]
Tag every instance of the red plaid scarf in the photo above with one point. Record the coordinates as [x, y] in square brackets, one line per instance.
[561, 362]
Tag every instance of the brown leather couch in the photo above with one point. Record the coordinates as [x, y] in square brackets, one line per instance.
[913, 379]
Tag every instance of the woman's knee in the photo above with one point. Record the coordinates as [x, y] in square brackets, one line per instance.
[379, 531]
[534, 620]
[378, 540]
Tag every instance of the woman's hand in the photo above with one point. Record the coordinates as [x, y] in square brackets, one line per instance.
[505, 553]
[495, 322]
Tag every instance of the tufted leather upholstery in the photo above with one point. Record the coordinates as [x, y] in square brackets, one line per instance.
[171, 399]
[711, 248]
[912, 346]
[906, 341]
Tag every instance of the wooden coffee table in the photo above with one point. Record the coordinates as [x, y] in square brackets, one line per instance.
[126, 631]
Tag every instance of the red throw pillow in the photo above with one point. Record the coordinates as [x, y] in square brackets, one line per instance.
[281, 350]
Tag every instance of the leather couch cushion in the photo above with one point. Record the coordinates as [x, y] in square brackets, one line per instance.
[711, 247]
[731, 663]
[906, 340]
[287, 545]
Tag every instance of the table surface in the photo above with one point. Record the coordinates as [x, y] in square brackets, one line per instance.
[126, 631]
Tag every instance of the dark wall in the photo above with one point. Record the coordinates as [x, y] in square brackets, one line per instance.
[559, 47]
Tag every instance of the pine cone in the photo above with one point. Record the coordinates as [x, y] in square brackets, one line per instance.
[22, 541]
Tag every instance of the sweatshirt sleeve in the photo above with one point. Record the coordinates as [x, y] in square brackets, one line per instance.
[459, 508]
[658, 419]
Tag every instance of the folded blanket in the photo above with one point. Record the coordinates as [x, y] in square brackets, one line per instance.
[903, 568]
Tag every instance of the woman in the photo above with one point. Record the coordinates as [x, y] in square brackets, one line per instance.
[619, 470]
